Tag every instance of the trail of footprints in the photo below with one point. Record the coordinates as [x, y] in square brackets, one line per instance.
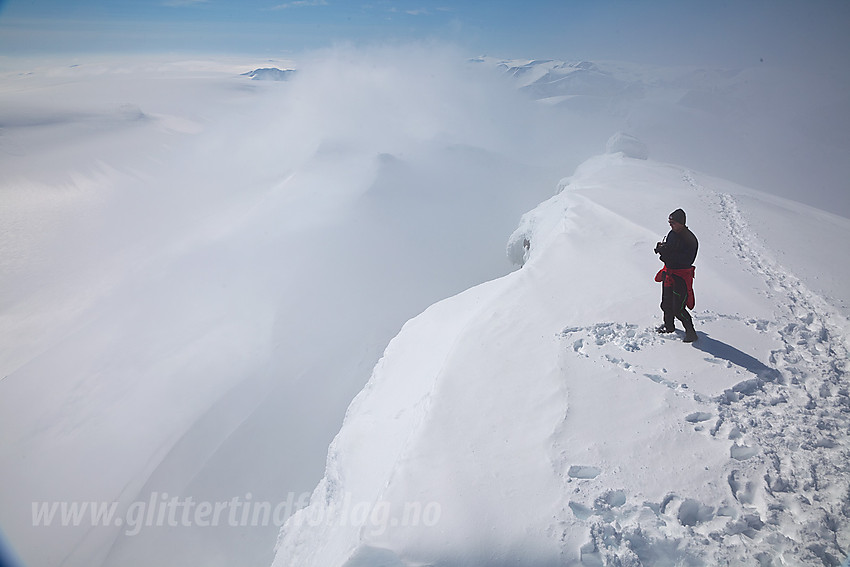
[594, 341]
[802, 420]
[769, 422]
[590, 341]
[789, 432]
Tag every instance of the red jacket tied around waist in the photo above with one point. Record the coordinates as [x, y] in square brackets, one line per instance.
[666, 275]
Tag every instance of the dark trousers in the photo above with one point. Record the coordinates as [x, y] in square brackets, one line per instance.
[673, 300]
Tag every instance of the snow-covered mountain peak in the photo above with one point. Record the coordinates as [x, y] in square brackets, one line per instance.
[545, 75]
[539, 419]
[270, 74]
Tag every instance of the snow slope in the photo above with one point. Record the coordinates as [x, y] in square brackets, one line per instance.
[537, 419]
[173, 278]
[181, 247]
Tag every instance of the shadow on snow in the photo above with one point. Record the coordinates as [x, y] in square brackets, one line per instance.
[723, 351]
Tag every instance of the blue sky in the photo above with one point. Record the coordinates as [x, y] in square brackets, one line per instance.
[663, 31]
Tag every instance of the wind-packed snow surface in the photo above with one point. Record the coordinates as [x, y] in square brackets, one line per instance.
[538, 419]
[198, 272]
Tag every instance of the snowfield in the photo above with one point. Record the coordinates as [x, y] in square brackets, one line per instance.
[545, 422]
[199, 271]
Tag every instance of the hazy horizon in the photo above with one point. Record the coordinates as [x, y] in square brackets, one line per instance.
[182, 247]
[663, 32]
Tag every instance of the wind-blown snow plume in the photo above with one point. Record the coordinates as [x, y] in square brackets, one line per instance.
[183, 248]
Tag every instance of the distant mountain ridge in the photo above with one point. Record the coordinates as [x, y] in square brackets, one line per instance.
[270, 74]
[754, 125]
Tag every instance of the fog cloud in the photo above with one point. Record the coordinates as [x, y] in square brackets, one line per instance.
[200, 270]
[221, 268]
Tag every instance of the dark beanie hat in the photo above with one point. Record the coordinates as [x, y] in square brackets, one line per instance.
[678, 215]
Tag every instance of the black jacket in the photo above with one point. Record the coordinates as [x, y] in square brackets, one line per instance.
[678, 251]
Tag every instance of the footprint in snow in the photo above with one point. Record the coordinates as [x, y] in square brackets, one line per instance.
[583, 472]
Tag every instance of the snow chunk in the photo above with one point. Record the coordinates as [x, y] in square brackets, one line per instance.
[577, 471]
[698, 416]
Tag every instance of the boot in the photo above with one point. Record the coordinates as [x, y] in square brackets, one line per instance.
[669, 325]
[690, 333]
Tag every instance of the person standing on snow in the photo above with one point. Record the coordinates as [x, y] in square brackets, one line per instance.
[678, 251]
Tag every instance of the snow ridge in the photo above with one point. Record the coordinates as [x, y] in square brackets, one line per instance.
[563, 430]
[788, 429]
